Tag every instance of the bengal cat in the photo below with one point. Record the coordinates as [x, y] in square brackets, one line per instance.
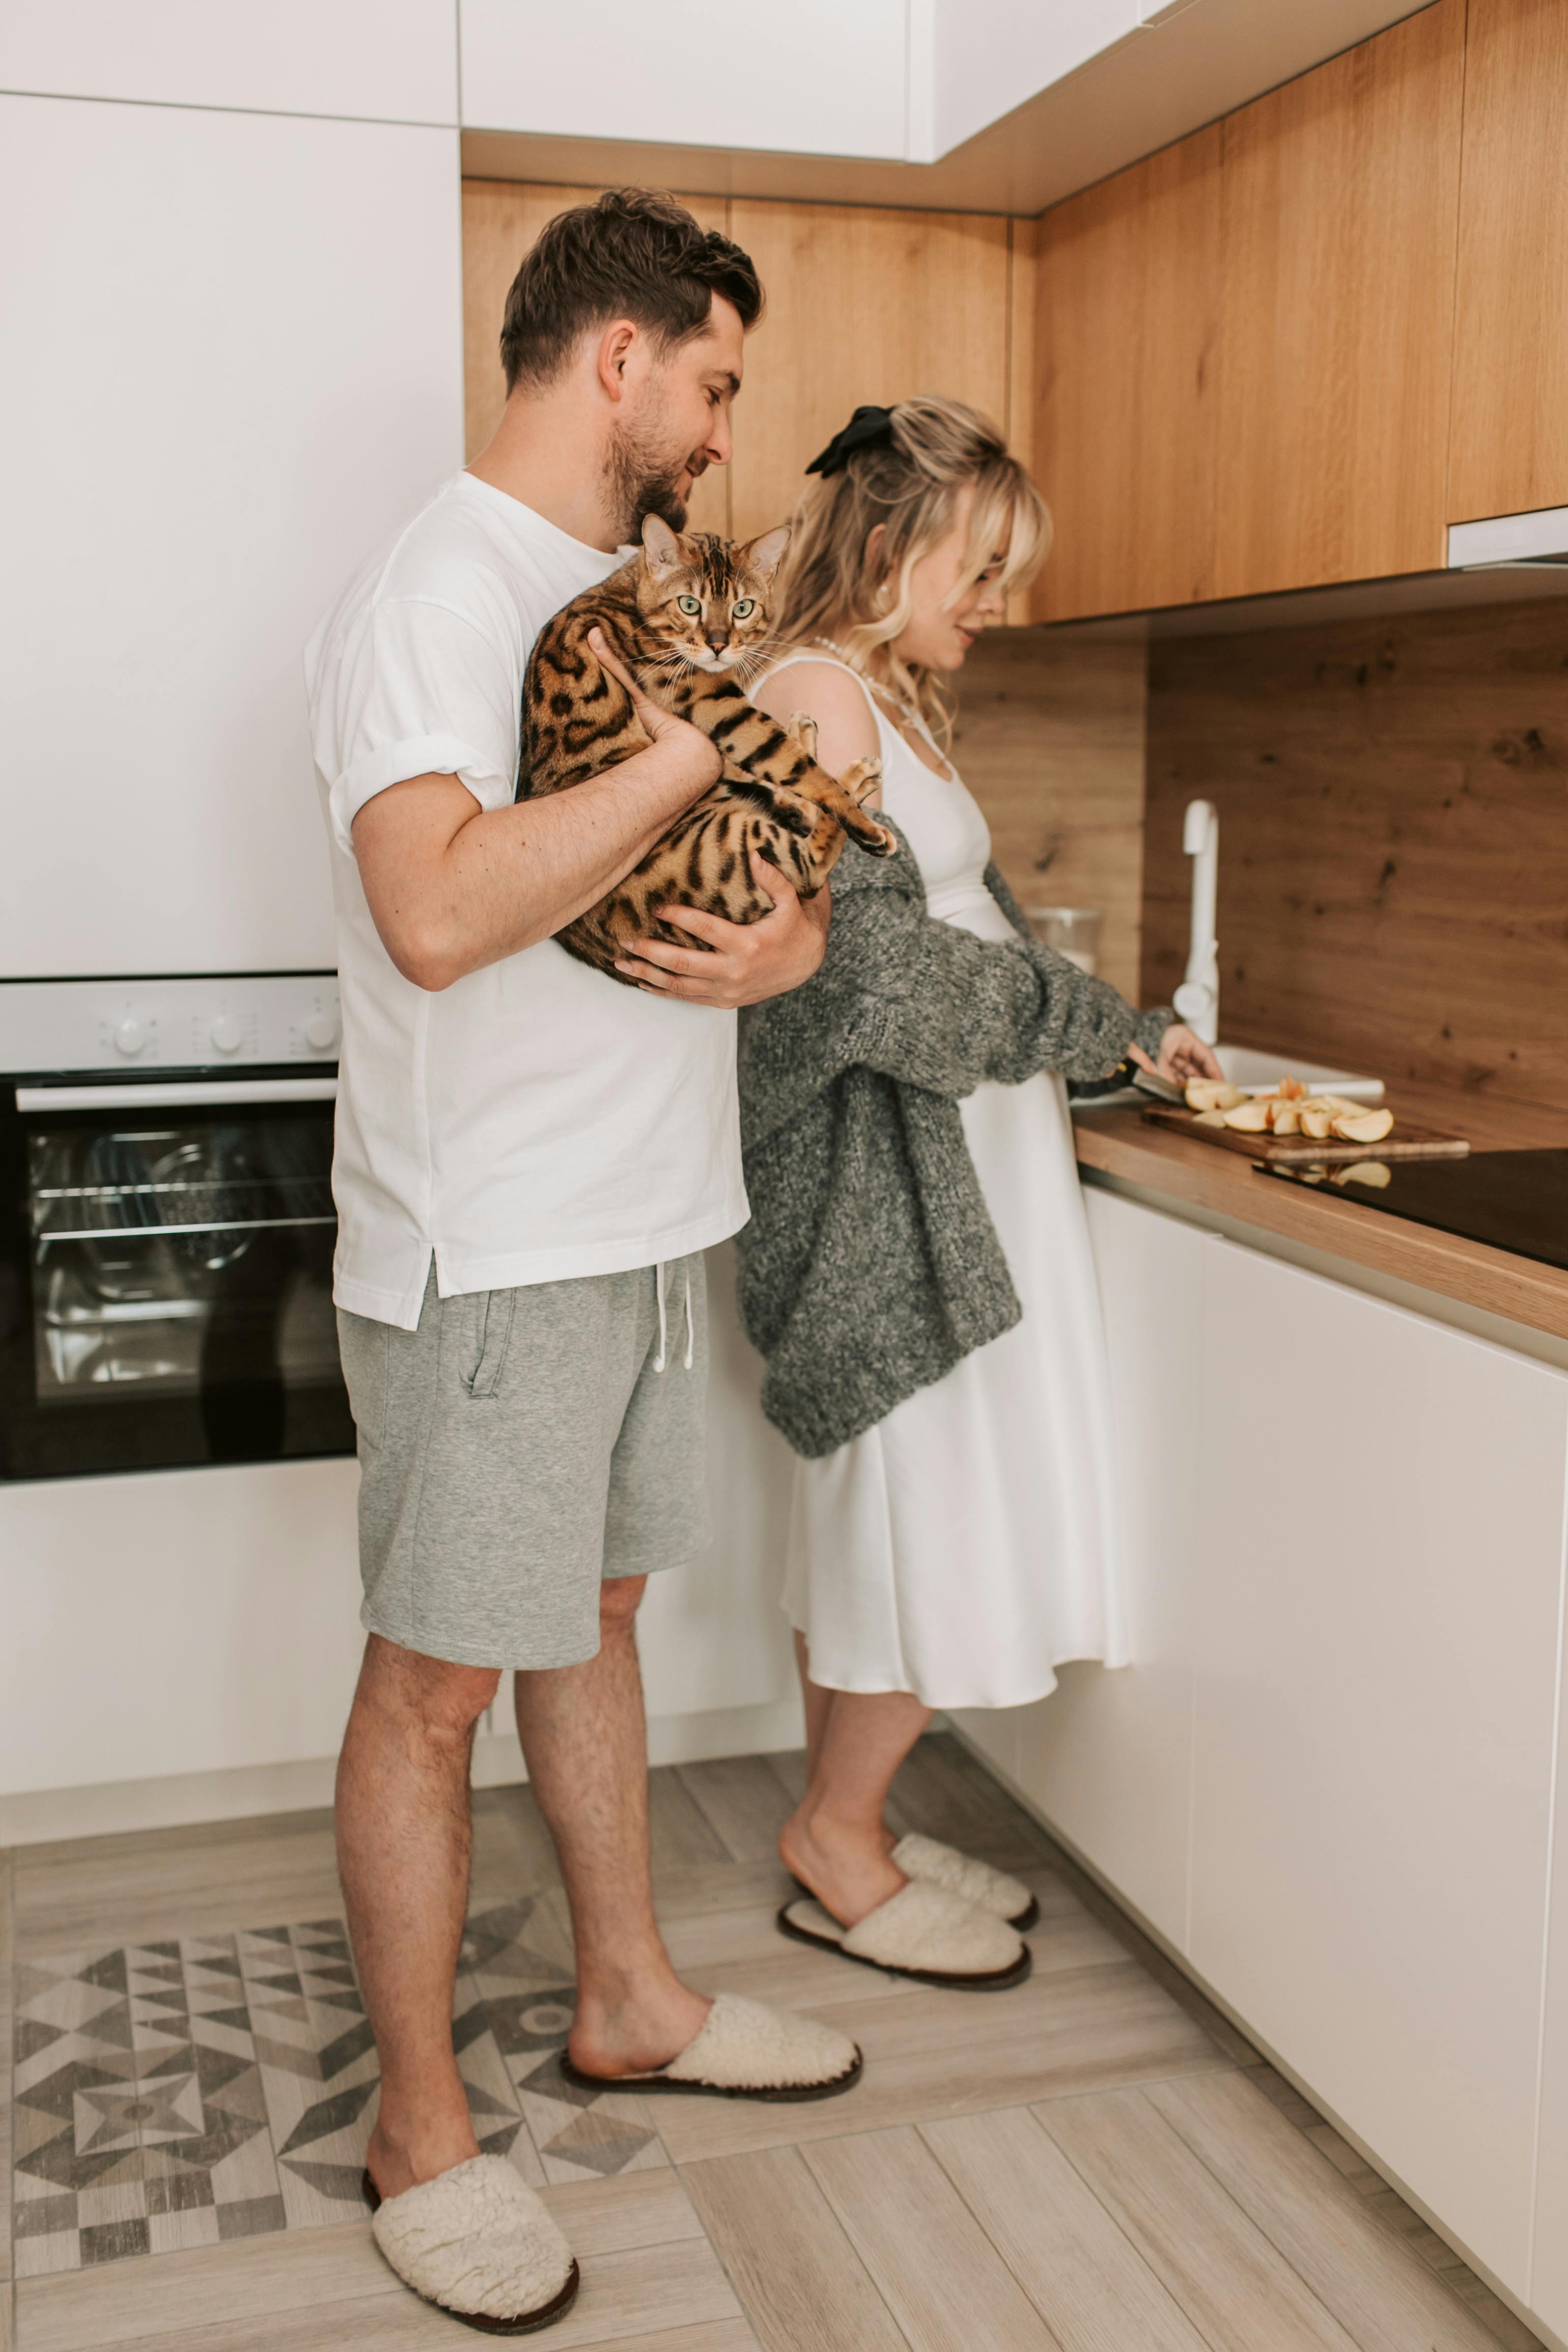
[689, 617]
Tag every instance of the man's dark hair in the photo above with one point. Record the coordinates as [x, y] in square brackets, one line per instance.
[635, 254]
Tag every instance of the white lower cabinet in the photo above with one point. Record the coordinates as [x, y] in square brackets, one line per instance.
[179, 1621]
[1327, 1775]
[1548, 2277]
[711, 1632]
[1376, 1640]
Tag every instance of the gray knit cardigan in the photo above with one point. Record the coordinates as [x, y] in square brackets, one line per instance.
[870, 1265]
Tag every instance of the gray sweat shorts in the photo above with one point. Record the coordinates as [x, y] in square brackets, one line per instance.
[520, 1447]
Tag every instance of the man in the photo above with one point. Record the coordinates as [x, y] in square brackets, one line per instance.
[531, 1160]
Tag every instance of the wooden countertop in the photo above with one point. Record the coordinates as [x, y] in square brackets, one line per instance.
[1120, 1143]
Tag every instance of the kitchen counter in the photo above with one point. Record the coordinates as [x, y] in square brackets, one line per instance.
[1119, 1145]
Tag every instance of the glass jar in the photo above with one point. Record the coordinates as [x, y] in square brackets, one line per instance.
[1073, 931]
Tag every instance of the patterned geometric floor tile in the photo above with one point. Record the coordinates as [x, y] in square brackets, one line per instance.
[189, 2092]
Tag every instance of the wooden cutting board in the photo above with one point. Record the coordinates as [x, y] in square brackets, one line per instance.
[1408, 1141]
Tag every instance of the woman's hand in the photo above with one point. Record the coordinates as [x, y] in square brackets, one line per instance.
[1182, 1055]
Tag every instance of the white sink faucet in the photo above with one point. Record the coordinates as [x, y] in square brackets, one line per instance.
[1197, 999]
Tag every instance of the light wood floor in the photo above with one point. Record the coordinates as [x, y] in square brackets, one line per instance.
[1095, 2162]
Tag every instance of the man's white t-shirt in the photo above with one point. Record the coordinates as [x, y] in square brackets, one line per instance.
[535, 1120]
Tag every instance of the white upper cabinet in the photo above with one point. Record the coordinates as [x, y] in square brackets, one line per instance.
[986, 57]
[233, 365]
[396, 61]
[1377, 1652]
[814, 77]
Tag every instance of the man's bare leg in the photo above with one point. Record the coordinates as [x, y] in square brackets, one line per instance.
[583, 1734]
[404, 1837]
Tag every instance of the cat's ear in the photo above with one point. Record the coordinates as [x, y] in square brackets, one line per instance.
[661, 548]
[764, 555]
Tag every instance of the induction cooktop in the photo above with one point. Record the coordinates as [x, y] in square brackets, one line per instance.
[1512, 1200]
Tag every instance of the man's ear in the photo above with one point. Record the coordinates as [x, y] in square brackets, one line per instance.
[764, 555]
[661, 546]
[615, 347]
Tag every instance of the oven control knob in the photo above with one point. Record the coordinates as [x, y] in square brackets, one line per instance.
[227, 1033]
[322, 1031]
[130, 1035]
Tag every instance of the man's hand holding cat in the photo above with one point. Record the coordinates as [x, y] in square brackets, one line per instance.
[691, 754]
[741, 963]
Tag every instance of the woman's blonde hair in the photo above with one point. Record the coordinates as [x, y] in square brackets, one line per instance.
[834, 586]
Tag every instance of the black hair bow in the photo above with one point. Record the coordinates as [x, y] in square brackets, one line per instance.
[867, 427]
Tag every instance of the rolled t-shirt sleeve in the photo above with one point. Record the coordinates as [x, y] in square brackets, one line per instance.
[421, 691]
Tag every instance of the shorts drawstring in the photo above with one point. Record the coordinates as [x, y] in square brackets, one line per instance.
[662, 1358]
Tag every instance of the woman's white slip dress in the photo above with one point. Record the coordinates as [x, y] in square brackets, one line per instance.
[964, 1547]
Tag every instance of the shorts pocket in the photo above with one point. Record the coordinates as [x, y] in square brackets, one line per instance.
[365, 1347]
[493, 1331]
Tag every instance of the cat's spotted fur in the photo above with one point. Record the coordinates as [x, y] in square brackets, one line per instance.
[689, 617]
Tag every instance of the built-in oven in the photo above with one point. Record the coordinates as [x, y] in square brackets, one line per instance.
[167, 1225]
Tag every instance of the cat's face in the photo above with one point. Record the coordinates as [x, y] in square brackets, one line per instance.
[708, 600]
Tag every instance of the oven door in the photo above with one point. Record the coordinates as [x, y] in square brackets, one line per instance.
[167, 1275]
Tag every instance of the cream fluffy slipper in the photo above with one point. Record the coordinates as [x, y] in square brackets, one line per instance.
[746, 2051]
[478, 2244]
[922, 1931]
[961, 1874]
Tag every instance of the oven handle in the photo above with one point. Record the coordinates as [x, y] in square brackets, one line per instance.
[130, 1097]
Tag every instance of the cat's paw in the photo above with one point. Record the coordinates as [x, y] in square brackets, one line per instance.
[862, 780]
[874, 838]
[802, 732]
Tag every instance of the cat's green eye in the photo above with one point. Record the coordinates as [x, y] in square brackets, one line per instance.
[692, 604]
[744, 609]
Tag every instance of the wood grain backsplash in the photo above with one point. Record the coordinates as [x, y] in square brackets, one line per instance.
[1393, 798]
[1049, 738]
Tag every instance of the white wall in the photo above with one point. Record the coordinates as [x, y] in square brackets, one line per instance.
[394, 59]
[233, 364]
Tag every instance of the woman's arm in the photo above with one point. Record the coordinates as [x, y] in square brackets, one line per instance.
[846, 731]
[924, 1003]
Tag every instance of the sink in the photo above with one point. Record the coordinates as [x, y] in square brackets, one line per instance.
[1259, 1072]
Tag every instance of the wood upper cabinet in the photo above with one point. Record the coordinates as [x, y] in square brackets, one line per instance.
[1341, 196]
[862, 305]
[1510, 446]
[1242, 346]
[1126, 323]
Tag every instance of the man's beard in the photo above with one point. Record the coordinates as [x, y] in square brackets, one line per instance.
[644, 480]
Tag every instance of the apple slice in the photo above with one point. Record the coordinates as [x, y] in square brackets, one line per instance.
[1249, 1117]
[1287, 1119]
[1317, 1120]
[1209, 1119]
[1364, 1127]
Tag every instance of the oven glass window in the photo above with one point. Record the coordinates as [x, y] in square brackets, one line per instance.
[179, 1267]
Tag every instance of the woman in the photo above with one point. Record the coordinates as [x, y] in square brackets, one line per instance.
[918, 1271]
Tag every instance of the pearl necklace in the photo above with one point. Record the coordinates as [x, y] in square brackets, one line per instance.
[905, 709]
